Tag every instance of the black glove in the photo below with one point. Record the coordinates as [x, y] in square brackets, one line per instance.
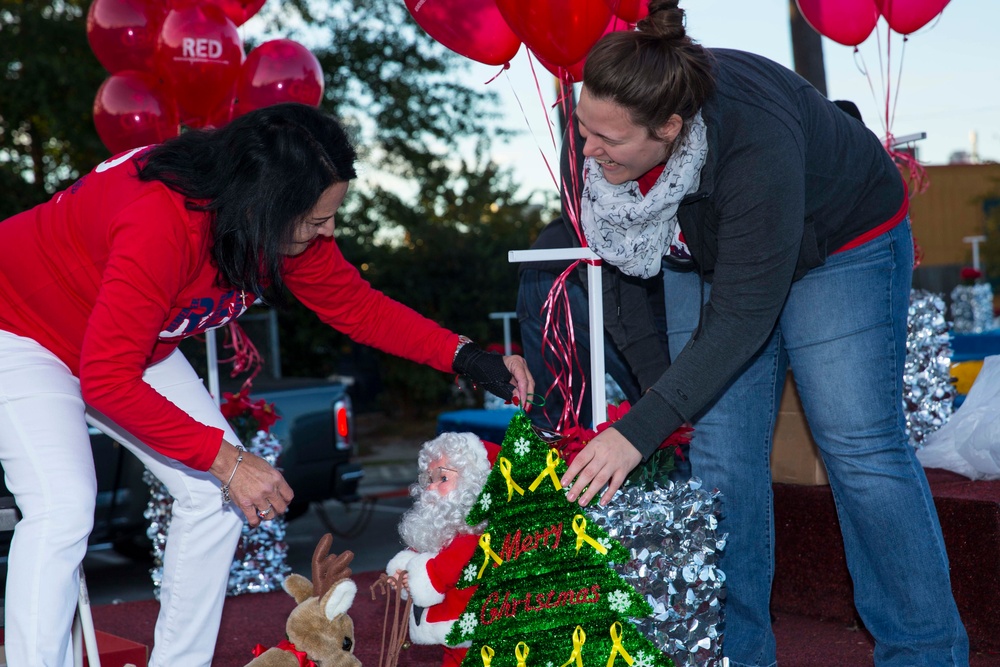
[486, 369]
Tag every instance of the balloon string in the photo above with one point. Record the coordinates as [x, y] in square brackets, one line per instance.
[556, 310]
[245, 355]
[527, 122]
[899, 82]
[859, 62]
[879, 101]
[571, 181]
[560, 343]
[916, 175]
[504, 68]
[888, 80]
[541, 99]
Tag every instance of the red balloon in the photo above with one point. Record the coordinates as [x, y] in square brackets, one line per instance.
[558, 31]
[281, 70]
[571, 74]
[199, 52]
[131, 109]
[472, 28]
[122, 33]
[574, 73]
[846, 21]
[906, 16]
[629, 10]
[223, 113]
[237, 11]
[240, 12]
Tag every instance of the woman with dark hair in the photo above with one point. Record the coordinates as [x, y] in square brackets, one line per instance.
[780, 226]
[97, 288]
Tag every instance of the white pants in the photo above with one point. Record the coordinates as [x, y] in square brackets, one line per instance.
[49, 467]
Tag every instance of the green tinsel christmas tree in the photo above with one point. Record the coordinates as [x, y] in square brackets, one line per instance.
[547, 595]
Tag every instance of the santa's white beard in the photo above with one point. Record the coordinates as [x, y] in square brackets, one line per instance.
[433, 522]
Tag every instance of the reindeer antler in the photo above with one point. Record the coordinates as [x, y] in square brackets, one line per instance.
[327, 568]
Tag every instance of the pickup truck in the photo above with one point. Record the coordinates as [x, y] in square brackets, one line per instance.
[316, 430]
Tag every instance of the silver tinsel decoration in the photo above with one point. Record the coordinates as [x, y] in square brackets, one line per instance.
[260, 562]
[671, 533]
[928, 395]
[972, 308]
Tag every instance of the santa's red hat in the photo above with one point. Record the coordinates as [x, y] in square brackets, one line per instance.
[492, 451]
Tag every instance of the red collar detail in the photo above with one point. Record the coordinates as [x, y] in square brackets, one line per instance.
[648, 180]
[286, 645]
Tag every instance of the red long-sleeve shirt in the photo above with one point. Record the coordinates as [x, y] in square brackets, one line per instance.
[113, 272]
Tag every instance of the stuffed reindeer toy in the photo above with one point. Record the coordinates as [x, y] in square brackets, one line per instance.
[319, 629]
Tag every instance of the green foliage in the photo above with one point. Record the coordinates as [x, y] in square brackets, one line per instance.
[411, 117]
[49, 79]
[388, 79]
[655, 472]
[450, 264]
[430, 228]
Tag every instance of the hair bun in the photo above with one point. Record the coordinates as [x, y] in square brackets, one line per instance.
[665, 20]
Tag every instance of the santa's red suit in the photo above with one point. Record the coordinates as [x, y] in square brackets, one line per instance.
[437, 601]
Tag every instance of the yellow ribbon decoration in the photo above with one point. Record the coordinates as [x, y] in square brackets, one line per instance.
[511, 484]
[579, 636]
[521, 652]
[487, 654]
[550, 469]
[616, 637]
[484, 543]
[580, 528]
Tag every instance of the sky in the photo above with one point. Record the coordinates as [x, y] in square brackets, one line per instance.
[947, 83]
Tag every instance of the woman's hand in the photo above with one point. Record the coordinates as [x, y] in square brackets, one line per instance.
[522, 380]
[259, 490]
[493, 372]
[606, 460]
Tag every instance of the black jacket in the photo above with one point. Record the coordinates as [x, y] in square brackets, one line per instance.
[632, 306]
[789, 177]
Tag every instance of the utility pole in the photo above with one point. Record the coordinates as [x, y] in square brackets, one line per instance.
[807, 50]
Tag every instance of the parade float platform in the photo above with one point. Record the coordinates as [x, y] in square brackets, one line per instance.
[811, 577]
[804, 640]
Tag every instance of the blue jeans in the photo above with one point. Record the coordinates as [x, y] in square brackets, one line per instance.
[531, 294]
[843, 330]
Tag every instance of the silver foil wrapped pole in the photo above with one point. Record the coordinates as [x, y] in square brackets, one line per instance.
[928, 395]
[260, 562]
[972, 308]
[671, 533]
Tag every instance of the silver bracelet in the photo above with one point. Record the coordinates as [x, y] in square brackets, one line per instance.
[225, 487]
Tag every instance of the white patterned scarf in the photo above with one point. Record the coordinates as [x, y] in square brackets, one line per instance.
[634, 232]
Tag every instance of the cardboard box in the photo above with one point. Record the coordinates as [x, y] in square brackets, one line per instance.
[118, 652]
[794, 456]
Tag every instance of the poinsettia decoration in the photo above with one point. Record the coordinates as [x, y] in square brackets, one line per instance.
[970, 275]
[657, 467]
[246, 416]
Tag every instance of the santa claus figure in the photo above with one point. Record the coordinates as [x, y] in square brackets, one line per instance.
[453, 469]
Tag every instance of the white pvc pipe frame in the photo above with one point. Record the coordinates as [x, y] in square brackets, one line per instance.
[595, 305]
